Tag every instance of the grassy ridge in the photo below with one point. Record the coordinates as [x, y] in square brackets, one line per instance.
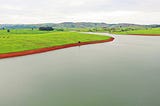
[144, 31]
[28, 40]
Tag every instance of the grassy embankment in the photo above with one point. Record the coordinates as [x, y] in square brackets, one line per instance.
[122, 30]
[21, 40]
[154, 31]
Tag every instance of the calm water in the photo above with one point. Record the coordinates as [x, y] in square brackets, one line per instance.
[125, 72]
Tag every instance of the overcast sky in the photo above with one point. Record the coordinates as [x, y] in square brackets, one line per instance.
[55, 11]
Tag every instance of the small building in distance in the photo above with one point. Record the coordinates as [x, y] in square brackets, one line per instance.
[46, 29]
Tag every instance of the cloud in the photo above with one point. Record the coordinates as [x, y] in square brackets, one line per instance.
[109, 11]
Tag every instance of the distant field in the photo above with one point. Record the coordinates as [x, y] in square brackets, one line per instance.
[144, 31]
[21, 40]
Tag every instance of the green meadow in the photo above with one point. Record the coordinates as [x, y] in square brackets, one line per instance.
[21, 40]
[142, 31]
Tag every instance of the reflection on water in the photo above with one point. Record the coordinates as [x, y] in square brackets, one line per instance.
[125, 72]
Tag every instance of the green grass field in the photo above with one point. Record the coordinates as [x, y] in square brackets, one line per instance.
[144, 31]
[21, 40]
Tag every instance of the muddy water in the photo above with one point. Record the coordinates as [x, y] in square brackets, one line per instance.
[125, 72]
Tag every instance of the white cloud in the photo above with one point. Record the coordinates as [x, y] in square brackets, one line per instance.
[109, 11]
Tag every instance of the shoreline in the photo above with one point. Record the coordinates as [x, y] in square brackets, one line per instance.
[145, 34]
[42, 50]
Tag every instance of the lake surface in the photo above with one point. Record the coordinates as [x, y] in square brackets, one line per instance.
[125, 72]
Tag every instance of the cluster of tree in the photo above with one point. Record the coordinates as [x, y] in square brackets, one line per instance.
[46, 29]
[2, 28]
[8, 30]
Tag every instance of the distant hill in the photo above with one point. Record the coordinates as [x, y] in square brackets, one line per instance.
[76, 25]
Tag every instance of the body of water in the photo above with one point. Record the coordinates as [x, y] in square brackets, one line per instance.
[125, 72]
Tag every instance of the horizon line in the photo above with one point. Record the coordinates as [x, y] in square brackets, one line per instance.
[70, 22]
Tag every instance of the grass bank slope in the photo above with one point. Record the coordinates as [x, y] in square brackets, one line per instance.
[22, 40]
[153, 31]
